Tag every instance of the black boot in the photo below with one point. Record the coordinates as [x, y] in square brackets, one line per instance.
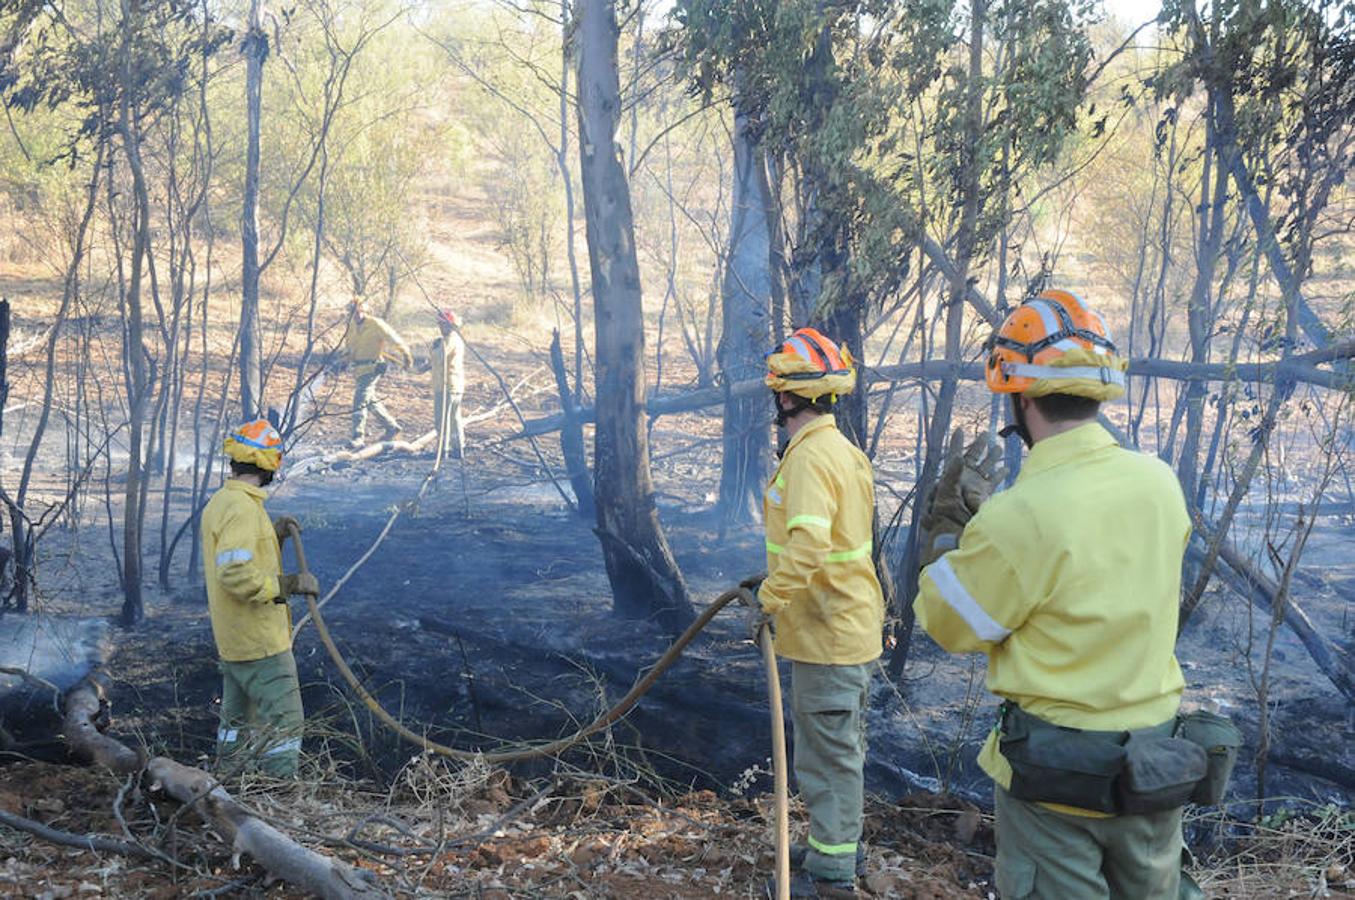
[798, 852]
[802, 884]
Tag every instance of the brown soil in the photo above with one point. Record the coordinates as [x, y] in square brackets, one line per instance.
[585, 837]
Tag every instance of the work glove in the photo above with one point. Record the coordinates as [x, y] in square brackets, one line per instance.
[299, 583]
[969, 476]
[754, 620]
[281, 525]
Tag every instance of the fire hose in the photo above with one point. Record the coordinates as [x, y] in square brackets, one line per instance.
[743, 593]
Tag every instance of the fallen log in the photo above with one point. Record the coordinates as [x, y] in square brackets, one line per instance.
[85, 722]
[382, 448]
[279, 854]
[1243, 577]
[1302, 368]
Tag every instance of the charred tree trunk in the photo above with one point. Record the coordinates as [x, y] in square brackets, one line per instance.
[251, 357]
[138, 361]
[571, 435]
[745, 336]
[644, 575]
[4, 398]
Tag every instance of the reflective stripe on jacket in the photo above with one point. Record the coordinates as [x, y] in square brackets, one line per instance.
[241, 563]
[448, 356]
[821, 586]
[371, 341]
[1069, 581]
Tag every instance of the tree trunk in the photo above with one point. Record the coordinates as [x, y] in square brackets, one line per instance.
[571, 435]
[251, 356]
[745, 336]
[137, 361]
[939, 427]
[4, 396]
[644, 575]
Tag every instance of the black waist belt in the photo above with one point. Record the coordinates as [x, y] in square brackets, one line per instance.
[1143, 770]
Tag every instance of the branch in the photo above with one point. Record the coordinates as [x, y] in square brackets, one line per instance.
[90, 842]
[1298, 368]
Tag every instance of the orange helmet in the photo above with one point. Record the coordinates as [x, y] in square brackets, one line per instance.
[810, 365]
[446, 316]
[257, 443]
[1055, 344]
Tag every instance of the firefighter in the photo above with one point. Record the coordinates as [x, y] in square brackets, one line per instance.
[1069, 582]
[824, 602]
[247, 599]
[370, 346]
[448, 359]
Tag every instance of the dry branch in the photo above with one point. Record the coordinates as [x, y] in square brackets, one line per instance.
[276, 852]
[1245, 578]
[92, 842]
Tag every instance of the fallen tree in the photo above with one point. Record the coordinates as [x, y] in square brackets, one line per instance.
[1300, 368]
[87, 718]
[275, 851]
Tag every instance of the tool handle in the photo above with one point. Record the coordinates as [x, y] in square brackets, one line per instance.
[780, 779]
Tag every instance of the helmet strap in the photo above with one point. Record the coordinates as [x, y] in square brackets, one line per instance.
[1018, 426]
[783, 415]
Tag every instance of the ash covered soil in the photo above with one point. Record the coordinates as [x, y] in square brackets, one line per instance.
[484, 617]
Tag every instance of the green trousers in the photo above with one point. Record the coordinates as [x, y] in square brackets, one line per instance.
[365, 400]
[1056, 856]
[447, 420]
[261, 715]
[829, 707]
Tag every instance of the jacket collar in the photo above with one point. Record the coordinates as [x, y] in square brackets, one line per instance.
[235, 484]
[820, 422]
[1066, 447]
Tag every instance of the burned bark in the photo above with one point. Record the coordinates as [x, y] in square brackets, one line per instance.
[85, 722]
[571, 435]
[622, 486]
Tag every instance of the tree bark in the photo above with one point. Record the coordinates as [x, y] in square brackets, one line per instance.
[644, 575]
[85, 720]
[137, 357]
[745, 336]
[571, 435]
[255, 50]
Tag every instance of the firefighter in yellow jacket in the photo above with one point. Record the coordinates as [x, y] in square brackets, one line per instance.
[1069, 582]
[261, 715]
[371, 346]
[824, 602]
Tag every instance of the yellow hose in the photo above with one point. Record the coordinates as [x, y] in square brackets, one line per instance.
[743, 593]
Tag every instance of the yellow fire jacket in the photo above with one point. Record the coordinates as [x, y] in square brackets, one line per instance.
[371, 341]
[821, 588]
[1069, 581]
[448, 356]
[241, 561]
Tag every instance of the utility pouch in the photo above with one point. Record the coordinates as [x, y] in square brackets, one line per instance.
[1161, 772]
[1054, 764]
[1220, 740]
